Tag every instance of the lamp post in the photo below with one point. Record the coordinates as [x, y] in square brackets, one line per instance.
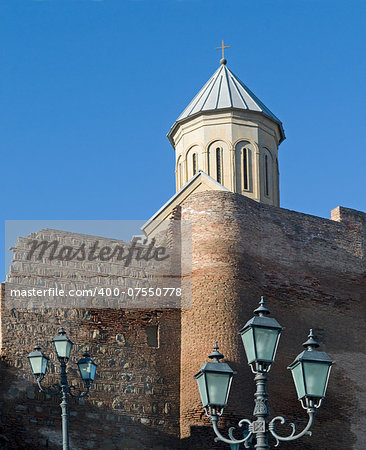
[260, 336]
[87, 368]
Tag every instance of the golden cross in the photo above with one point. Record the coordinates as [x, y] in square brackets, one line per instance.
[223, 48]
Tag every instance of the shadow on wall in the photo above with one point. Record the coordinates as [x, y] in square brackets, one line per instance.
[31, 420]
[332, 429]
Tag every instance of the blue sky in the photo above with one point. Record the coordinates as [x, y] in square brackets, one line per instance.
[89, 89]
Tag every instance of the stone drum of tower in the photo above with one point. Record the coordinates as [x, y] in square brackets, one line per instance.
[229, 134]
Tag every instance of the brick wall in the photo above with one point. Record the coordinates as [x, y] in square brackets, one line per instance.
[312, 274]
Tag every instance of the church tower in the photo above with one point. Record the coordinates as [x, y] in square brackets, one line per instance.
[229, 134]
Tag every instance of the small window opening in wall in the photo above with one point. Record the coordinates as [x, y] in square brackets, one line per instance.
[152, 336]
[194, 158]
[266, 189]
[245, 168]
[180, 179]
[218, 164]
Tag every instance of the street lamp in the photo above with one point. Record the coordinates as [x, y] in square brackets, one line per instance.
[260, 335]
[62, 344]
[87, 368]
[310, 371]
[214, 381]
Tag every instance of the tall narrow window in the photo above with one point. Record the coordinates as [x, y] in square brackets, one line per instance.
[194, 160]
[266, 188]
[218, 164]
[245, 168]
[180, 180]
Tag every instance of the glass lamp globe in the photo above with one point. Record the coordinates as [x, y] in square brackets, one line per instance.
[62, 344]
[87, 368]
[214, 381]
[310, 371]
[38, 362]
[260, 337]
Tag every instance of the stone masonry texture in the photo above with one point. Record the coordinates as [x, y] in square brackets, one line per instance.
[311, 272]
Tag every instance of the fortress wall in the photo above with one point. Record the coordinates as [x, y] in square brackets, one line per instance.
[134, 401]
[312, 274]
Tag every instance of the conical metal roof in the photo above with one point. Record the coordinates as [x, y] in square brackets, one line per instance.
[222, 91]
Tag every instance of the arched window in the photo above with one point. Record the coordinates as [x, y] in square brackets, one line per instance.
[218, 164]
[245, 169]
[266, 177]
[180, 179]
[194, 163]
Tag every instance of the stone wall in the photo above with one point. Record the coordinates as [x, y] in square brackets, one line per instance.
[312, 274]
[134, 401]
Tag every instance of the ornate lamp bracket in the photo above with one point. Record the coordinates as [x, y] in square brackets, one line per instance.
[272, 428]
[232, 439]
[48, 390]
[80, 393]
[260, 428]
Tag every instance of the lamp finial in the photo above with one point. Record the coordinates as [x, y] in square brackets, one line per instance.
[262, 310]
[311, 343]
[216, 355]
